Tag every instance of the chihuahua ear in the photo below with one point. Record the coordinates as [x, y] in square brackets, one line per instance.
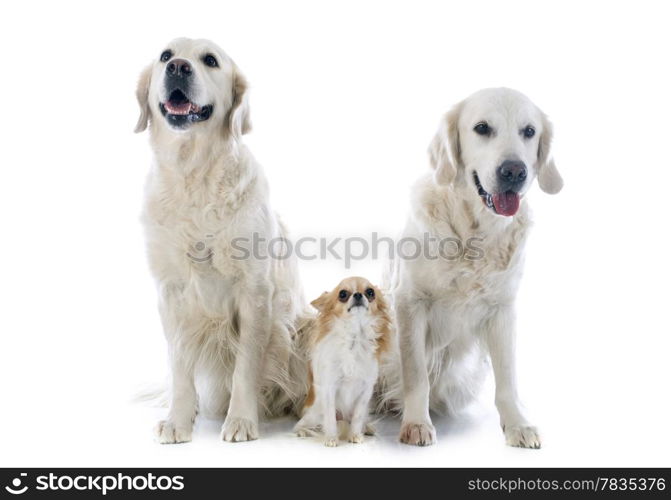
[382, 301]
[320, 301]
[237, 121]
[549, 179]
[142, 94]
[445, 150]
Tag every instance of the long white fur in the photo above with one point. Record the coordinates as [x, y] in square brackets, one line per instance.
[228, 322]
[454, 315]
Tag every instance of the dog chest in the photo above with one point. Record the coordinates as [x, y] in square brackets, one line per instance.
[461, 284]
[346, 355]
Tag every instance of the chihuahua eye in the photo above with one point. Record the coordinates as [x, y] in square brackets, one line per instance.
[166, 55]
[370, 293]
[343, 295]
[482, 128]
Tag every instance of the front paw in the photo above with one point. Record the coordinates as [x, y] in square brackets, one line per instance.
[331, 442]
[301, 432]
[168, 432]
[304, 431]
[355, 438]
[236, 429]
[423, 434]
[522, 436]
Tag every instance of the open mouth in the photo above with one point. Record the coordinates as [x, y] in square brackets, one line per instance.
[180, 111]
[506, 203]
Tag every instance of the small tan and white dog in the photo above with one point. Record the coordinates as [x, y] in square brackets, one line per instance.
[352, 331]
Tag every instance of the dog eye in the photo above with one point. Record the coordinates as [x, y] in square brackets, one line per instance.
[343, 295]
[370, 293]
[529, 132]
[210, 61]
[482, 129]
[166, 56]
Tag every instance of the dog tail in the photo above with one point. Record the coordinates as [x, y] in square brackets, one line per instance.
[155, 395]
[388, 394]
[300, 359]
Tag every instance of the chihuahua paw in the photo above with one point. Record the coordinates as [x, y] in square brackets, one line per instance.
[356, 438]
[331, 442]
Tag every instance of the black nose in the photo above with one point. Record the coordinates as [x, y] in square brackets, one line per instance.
[178, 67]
[358, 297]
[512, 173]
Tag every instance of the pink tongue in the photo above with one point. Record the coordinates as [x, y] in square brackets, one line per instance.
[506, 203]
[178, 109]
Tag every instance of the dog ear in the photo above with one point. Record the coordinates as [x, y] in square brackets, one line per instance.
[382, 301]
[142, 94]
[445, 150]
[237, 121]
[548, 176]
[320, 301]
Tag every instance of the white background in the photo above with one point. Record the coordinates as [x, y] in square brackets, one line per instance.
[345, 99]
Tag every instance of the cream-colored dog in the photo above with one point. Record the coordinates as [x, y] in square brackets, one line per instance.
[228, 310]
[487, 152]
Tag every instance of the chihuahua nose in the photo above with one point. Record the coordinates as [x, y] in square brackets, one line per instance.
[358, 297]
[179, 68]
[512, 173]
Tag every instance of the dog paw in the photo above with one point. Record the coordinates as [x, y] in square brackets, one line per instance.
[369, 430]
[522, 436]
[302, 432]
[418, 434]
[356, 438]
[169, 433]
[236, 429]
[331, 442]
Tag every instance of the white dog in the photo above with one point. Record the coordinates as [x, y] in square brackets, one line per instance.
[229, 315]
[485, 156]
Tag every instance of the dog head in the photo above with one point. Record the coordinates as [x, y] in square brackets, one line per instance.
[193, 84]
[497, 142]
[353, 297]
[355, 303]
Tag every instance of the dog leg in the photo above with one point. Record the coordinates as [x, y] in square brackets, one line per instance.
[179, 424]
[308, 425]
[500, 336]
[359, 416]
[242, 419]
[328, 406]
[416, 428]
[178, 427]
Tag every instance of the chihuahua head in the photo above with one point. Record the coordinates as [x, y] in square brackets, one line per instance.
[355, 303]
[352, 297]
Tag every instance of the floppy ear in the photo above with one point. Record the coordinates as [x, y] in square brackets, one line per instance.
[237, 121]
[445, 150]
[320, 302]
[548, 176]
[142, 94]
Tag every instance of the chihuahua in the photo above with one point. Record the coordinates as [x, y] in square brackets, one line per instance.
[353, 329]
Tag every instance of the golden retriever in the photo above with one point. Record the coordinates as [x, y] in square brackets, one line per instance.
[228, 316]
[452, 313]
